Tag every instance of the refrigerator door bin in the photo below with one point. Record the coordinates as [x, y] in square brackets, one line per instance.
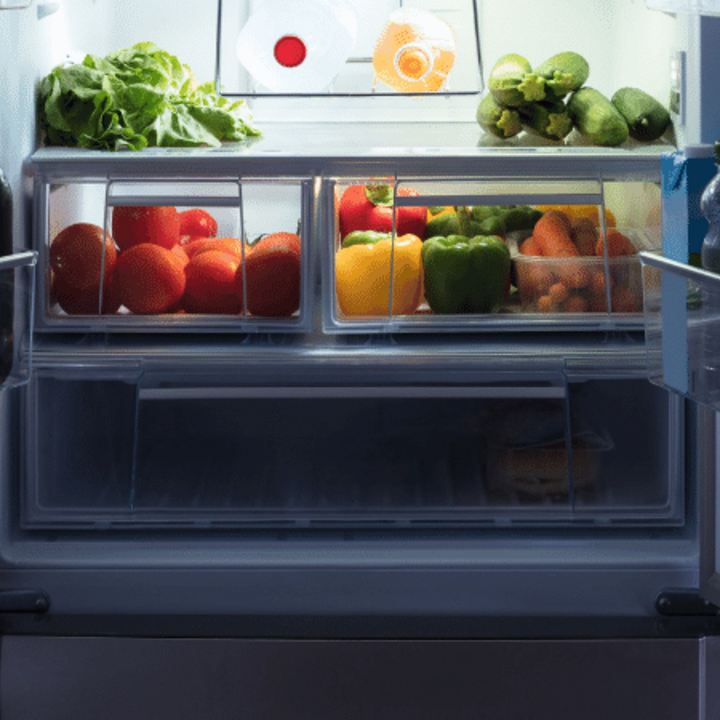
[17, 282]
[600, 289]
[174, 260]
[205, 449]
[682, 328]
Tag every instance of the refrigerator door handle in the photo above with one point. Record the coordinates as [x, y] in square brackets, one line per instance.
[24, 601]
[358, 391]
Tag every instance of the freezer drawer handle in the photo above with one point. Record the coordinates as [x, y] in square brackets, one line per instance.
[24, 601]
[683, 602]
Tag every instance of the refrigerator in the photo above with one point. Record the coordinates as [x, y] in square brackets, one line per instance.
[357, 506]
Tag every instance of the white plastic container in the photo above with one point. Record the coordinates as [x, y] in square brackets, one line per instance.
[292, 47]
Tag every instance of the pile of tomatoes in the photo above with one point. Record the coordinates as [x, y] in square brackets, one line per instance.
[160, 260]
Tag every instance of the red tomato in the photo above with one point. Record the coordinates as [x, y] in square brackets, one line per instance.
[76, 255]
[211, 283]
[149, 279]
[75, 301]
[228, 245]
[198, 222]
[272, 273]
[138, 225]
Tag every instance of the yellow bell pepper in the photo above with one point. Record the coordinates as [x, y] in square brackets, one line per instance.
[362, 277]
[582, 211]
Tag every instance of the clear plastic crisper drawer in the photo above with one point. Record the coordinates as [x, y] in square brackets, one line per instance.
[17, 279]
[682, 308]
[201, 254]
[128, 451]
[407, 282]
[348, 48]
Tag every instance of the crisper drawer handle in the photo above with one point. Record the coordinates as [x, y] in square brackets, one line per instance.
[504, 199]
[354, 392]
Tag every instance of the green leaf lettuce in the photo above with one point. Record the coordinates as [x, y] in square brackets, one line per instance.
[134, 98]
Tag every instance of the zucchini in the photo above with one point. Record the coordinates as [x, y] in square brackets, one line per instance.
[513, 83]
[548, 120]
[563, 73]
[646, 118]
[497, 120]
[596, 118]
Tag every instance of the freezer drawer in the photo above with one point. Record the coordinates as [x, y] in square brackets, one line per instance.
[176, 255]
[202, 450]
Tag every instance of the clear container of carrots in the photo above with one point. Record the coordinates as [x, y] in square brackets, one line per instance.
[569, 265]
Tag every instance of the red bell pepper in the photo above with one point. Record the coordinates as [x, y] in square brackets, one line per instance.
[370, 207]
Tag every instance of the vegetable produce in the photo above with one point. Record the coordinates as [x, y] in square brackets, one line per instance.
[646, 118]
[581, 211]
[503, 122]
[364, 237]
[596, 118]
[563, 73]
[198, 222]
[272, 274]
[133, 98]
[81, 254]
[134, 225]
[513, 83]
[370, 207]
[552, 235]
[362, 277]
[585, 236]
[465, 275]
[550, 120]
[451, 223]
[547, 269]
[149, 279]
[617, 244]
[210, 283]
[518, 217]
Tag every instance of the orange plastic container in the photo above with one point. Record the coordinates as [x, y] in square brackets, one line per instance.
[415, 52]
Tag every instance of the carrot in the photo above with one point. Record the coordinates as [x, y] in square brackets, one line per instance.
[623, 300]
[584, 235]
[552, 234]
[545, 304]
[529, 246]
[558, 293]
[576, 303]
[617, 244]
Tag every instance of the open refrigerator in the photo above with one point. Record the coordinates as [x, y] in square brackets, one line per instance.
[490, 498]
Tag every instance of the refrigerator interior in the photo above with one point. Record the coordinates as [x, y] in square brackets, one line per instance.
[271, 445]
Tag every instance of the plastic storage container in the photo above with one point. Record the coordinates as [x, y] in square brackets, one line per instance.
[333, 55]
[358, 285]
[174, 259]
[212, 448]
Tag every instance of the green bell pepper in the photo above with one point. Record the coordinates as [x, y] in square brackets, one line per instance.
[462, 222]
[465, 275]
[364, 237]
[514, 217]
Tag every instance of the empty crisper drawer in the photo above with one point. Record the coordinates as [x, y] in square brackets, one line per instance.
[148, 452]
